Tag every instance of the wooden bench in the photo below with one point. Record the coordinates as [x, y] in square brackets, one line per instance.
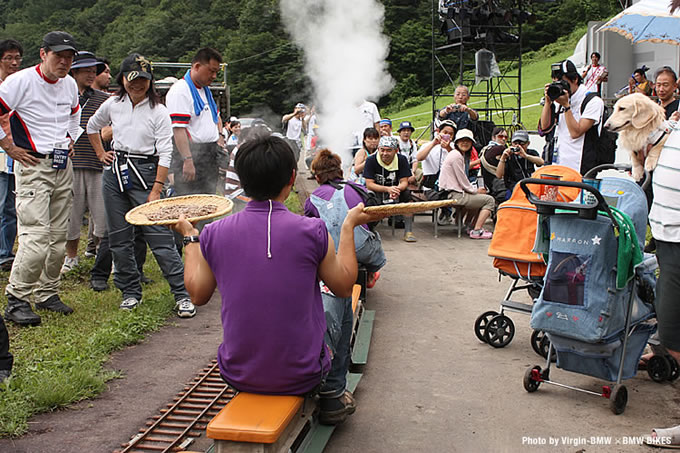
[266, 423]
[259, 423]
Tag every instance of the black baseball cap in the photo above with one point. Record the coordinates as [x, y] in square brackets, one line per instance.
[56, 41]
[563, 67]
[135, 66]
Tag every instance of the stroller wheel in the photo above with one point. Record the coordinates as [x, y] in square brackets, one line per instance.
[540, 344]
[481, 323]
[534, 290]
[659, 368]
[530, 384]
[618, 399]
[675, 370]
[499, 331]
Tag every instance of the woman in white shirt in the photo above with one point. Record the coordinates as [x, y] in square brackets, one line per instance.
[134, 173]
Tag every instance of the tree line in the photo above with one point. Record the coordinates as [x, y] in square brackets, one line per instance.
[265, 68]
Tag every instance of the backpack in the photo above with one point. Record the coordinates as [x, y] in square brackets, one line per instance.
[368, 198]
[598, 147]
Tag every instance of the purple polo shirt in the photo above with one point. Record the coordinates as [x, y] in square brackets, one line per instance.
[272, 313]
[326, 191]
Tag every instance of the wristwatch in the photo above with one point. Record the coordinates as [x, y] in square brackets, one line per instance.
[189, 239]
[190, 157]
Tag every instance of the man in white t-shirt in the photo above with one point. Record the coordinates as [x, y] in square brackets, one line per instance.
[44, 122]
[366, 116]
[295, 126]
[196, 127]
[572, 125]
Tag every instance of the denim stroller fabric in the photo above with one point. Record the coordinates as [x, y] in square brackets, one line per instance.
[602, 360]
[579, 299]
[626, 196]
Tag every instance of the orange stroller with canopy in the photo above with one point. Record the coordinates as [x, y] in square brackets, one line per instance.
[511, 247]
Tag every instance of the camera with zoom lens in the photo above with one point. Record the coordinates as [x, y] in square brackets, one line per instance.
[515, 149]
[556, 89]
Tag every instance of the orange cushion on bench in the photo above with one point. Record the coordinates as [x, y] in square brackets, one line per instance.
[249, 417]
[356, 292]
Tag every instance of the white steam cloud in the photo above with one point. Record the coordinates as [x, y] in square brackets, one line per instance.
[345, 59]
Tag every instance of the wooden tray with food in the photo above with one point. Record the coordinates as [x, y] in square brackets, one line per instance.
[387, 210]
[167, 211]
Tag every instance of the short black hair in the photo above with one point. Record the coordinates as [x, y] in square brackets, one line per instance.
[597, 54]
[641, 71]
[371, 132]
[668, 70]
[264, 165]
[206, 54]
[497, 130]
[9, 45]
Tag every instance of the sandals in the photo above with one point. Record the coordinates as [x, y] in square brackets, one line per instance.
[664, 438]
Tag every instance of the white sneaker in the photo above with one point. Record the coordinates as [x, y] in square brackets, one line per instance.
[129, 303]
[185, 309]
[69, 264]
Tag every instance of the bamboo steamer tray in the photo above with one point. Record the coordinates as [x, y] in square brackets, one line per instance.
[408, 208]
[138, 215]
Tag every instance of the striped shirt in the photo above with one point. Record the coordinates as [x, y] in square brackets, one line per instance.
[664, 217]
[85, 158]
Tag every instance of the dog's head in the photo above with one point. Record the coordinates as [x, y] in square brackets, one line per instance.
[635, 111]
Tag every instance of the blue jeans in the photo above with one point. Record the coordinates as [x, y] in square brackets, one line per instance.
[371, 253]
[8, 216]
[122, 236]
[339, 331]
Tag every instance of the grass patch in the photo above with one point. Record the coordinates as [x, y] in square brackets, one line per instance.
[535, 74]
[61, 361]
[293, 202]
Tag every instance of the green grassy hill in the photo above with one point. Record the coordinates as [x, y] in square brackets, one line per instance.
[535, 74]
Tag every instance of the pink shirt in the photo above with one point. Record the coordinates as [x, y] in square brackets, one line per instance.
[452, 176]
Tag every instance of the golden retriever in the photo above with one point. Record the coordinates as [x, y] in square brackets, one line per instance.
[639, 122]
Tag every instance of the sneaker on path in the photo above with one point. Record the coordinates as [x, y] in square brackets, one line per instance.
[185, 309]
[481, 234]
[129, 303]
[54, 303]
[410, 237]
[69, 264]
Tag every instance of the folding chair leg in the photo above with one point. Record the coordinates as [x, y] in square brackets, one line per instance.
[435, 216]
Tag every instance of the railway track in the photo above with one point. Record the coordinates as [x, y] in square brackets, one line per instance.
[185, 419]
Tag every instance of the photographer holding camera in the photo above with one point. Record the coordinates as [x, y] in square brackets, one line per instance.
[517, 162]
[459, 112]
[574, 118]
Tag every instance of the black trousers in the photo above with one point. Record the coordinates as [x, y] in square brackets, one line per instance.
[6, 358]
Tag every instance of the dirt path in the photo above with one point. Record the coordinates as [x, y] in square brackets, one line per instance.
[154, 371]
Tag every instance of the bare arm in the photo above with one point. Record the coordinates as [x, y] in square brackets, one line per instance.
[288, 117]
[359, 162]
[577, 129]
[182, 143]
[199, 279]
[157, 187]
[427, 147]
[545, 122]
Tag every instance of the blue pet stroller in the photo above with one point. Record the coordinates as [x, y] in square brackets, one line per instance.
[590, 306]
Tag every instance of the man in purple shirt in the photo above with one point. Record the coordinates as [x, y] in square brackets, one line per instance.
[266, 263]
